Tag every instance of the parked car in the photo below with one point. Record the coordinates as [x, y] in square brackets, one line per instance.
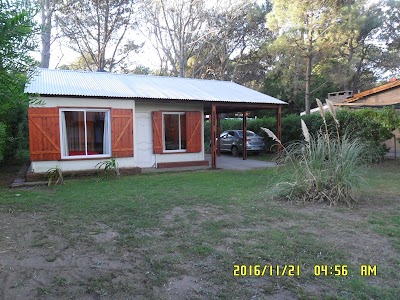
[232, 141]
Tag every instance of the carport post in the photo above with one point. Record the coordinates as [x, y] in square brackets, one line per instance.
[244, 143]
[279, 128]
[213, 136]
[219, 134]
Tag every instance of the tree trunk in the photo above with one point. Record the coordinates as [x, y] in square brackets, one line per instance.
[309, 58]
[47, 14]
[308, 81]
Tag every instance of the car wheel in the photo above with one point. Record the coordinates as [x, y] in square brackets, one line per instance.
[235, 151]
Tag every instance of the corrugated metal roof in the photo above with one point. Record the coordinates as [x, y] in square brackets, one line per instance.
[103, 84]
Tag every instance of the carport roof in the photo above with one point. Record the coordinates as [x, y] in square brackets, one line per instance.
[111, 85]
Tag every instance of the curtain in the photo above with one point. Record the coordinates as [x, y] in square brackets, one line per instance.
[106, 135]
[64, 138]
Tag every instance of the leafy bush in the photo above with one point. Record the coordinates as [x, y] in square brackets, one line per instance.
[371, 125]
[327, 165]
[2, 140]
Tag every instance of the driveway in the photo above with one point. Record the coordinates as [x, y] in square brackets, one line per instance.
[228, 162]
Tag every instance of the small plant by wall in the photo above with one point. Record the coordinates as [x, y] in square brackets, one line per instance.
[109, 167]
[54, 176]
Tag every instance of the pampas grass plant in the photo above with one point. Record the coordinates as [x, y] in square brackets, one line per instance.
[327, 166]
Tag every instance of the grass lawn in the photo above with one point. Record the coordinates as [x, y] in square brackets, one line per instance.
[179, 235]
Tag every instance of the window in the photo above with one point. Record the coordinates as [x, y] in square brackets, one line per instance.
[231, 134]
[174, 127]
[85, 132]
[248, 132]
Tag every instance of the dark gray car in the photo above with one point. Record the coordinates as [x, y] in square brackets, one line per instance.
[231, 141]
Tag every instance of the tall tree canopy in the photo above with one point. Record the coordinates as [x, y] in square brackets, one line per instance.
[304, 29]
[98, 30]
[16, 41]
[328, 45]
[203, 39]
[177, 29]
[235, 49]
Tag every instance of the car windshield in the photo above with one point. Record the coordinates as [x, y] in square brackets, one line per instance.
[249, 133]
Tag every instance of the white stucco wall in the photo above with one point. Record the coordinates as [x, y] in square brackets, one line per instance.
[145, 158]
[86, 102]
[143, 133]
[77, 165]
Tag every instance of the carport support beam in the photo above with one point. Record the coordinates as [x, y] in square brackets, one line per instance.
[279, 128]
[219, 134]
[213, 135]
[244, 143]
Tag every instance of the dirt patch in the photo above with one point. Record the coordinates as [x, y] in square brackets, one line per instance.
[36, 263]
[282, 295]
[180, 288]
[188, 256]
[8, 173]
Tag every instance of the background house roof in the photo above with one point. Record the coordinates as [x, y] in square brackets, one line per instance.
[382, 88]
[103, 84]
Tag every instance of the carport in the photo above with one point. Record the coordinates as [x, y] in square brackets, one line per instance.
[215, 109]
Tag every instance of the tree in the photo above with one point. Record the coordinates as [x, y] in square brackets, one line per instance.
[47, 8]
[355, 63]
[391, 27]
[202, 40]
[390, 33]
[234, 51]
[16, 41]
[305, 28]
[177, 27]
[84, 62]
[98, 30]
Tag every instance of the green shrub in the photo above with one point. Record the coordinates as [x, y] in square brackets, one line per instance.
[2, 140]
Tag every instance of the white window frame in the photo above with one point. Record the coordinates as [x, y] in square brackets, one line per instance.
[107, 115]
[180, 136]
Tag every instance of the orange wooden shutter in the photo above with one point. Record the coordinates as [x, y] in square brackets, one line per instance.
[193, 131]
[44, 133]
[122, 132]
[157, 132]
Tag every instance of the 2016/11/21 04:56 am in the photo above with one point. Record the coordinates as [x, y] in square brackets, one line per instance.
[295, 270]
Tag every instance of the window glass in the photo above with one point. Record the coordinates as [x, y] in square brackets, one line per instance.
[85, 133]
[183, 131]
[171, 130]
[249, 133]
[75, 133]
[174, 131]
[95, 132]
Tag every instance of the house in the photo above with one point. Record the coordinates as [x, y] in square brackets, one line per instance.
[383, 95]
[387, 94]
[82, 118]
